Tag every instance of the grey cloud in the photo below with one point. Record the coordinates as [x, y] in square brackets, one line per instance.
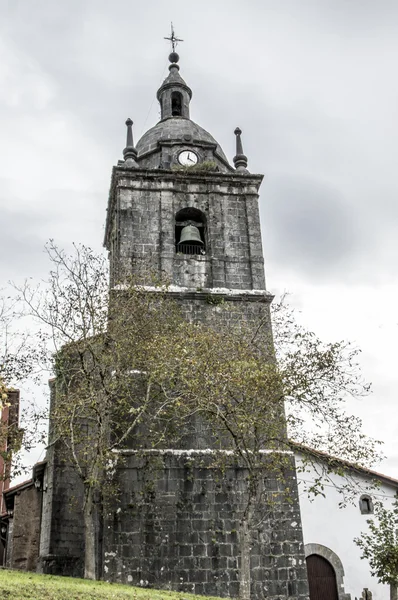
[309, 227]
[21, 244]
[278, 73]
[104, 70]
[70, 217]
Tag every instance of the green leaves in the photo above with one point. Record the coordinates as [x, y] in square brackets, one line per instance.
[317, 379]
[380, 545]
[133, 371]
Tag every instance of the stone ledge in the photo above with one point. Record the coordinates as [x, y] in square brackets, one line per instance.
[194, 452]
[171, 174]
[205, 293]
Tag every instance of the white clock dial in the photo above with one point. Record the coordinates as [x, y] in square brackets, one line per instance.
[187, 158]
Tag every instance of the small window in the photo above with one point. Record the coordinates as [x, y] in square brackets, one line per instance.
[176, 104]
[366, 505]
[190, 232]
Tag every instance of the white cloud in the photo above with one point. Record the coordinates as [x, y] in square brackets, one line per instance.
[22, 81]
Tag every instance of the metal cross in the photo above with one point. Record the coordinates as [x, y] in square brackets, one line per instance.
[173, 39]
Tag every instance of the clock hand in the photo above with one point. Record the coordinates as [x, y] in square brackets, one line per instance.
[189, 158]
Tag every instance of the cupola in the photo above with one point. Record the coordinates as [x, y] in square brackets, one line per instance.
[174, 95]
[176, 142]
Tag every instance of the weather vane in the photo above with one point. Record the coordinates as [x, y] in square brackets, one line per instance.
[173, 39]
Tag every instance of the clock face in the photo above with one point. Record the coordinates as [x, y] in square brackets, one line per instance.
[187, 158]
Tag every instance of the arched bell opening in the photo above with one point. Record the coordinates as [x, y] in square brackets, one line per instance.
[190, 232]
[176, 104]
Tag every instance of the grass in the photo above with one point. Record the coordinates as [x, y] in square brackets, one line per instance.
[18, 585]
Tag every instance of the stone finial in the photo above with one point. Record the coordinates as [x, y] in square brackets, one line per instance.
[174, 58]
[130, 153]
[240, 160]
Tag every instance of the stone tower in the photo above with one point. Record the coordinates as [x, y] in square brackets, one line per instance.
[176, 205]
[152, 200]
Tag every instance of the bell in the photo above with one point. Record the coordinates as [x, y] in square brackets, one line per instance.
[190, 235]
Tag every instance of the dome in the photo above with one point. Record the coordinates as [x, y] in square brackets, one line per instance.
[176, 129]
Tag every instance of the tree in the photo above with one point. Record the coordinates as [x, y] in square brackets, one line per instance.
[132, 371]
[111, 355]
[18, 358]
[3, 393]
[18, 361]
[380, 546]
[239, 379]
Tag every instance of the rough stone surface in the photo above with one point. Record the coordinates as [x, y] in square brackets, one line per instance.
[61, 537]
[61, 540]
[24, 530]
[176, 526]
[141, 228]
[176, 521]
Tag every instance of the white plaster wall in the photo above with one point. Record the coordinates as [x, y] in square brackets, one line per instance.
[327, 524]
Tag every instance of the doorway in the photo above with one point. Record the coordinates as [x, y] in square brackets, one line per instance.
[321, 578]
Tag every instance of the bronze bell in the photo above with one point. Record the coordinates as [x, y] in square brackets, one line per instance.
[190, 235]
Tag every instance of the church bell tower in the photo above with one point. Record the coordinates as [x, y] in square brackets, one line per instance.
[177, 207]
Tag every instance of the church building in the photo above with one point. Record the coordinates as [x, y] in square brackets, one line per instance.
[177, 206]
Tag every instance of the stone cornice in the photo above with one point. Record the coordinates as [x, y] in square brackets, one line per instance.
[190, 173]
[209, 295]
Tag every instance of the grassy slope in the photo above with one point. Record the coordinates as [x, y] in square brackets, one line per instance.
[16, 585]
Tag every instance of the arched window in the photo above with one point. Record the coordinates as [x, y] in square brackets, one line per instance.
[366, 505]
[190, 231]
[176, 104]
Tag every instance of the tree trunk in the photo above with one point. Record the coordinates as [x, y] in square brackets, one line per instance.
[245, 575]
[90, 562]
[393, 591]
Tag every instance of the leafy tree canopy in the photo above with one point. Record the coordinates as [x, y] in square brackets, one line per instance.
[380, 544]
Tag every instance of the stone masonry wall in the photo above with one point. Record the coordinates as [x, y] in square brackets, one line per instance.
[62, 541]
[176, 521]
[10, 543]
[62, 533]
[143, 228]
[227, 311]
[25, 530]
[176, 526]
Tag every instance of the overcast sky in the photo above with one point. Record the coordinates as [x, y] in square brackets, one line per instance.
[313, 86]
